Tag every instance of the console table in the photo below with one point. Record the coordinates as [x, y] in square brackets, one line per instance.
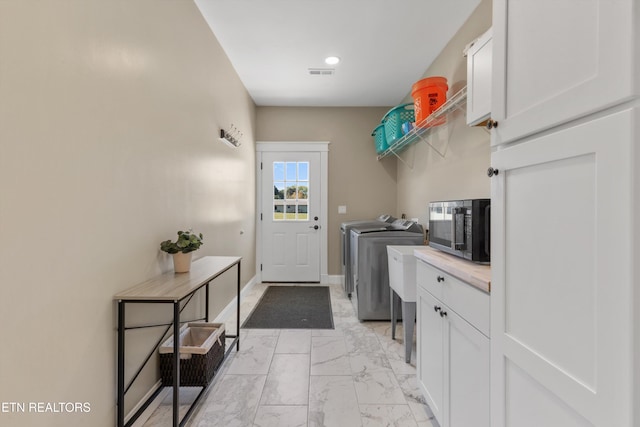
[171, 288]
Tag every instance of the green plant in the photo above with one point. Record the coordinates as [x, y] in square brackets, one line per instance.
[187, 242]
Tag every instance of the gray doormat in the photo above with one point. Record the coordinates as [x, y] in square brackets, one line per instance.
[292, 307]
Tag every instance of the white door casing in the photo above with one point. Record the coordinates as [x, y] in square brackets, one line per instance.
[292, 219]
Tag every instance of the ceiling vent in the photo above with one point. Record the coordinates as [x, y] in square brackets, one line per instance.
[321, 71]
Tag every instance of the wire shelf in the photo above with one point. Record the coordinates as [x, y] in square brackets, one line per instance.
[424, 129]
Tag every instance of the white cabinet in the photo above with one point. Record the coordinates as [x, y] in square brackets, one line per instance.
[555, 60]
[562, 317]
[565, 240]
[453, 354]
[479, 79]
[430, 352]
[468, 373]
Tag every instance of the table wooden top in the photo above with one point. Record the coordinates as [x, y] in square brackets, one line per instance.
[172, 286]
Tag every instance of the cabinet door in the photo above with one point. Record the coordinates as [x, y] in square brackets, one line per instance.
[479, 80]
[468, 371]
[561, 317]
[430, 358]
[555, 60]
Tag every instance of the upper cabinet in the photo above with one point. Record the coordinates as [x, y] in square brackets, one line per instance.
[563, 59]
[479, 79]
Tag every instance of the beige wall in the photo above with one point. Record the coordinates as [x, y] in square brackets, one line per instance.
[109, 113]
[462, 172]
[356, 179]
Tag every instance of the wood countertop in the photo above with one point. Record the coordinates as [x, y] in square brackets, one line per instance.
[172, 286]
[477, 275]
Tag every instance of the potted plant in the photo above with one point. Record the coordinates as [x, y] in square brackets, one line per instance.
[182, 249]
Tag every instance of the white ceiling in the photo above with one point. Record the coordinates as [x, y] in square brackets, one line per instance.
[385, 46]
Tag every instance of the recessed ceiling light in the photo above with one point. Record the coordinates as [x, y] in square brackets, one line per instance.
[331, 60]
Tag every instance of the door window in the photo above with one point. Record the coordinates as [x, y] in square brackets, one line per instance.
[290, 191]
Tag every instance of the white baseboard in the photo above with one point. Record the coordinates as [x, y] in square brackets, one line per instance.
[146, 414]
[231, 307]
[335, 279]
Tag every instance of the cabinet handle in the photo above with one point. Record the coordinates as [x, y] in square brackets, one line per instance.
[440, 279]
[436, 308]
[492, 124]
[491, 172]
[443, 313]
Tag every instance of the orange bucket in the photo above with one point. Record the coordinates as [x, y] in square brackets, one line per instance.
[428, 94]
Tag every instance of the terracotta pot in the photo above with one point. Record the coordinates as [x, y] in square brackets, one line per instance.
[182, 262]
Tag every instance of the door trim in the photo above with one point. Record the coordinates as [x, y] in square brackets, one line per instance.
[321, 147]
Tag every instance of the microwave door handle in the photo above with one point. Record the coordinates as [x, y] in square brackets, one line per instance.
[453, 229]
[462, 244]
[455, 244]
[487, 230]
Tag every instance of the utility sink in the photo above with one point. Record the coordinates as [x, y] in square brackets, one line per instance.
[402, 271]
[402, 281]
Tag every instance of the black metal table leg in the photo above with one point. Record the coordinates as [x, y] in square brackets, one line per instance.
[120, 402]
[238, 311]
[176, 363]
[206, 303]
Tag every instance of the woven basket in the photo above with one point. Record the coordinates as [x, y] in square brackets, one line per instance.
[202, 347]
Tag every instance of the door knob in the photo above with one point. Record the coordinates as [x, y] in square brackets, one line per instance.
[315, 218]
[315, 227]
[491, 172]
[492, 124]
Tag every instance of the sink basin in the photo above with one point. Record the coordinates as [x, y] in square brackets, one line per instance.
[402, 271]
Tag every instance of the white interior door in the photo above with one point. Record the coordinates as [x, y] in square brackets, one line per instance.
[290, 216]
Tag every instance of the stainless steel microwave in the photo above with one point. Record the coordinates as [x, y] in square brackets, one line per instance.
[462, 228]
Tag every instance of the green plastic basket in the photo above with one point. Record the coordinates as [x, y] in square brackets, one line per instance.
[380, 138]
[394, 119]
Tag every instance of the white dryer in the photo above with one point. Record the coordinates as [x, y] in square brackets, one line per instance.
[370, 268]
[382, 222]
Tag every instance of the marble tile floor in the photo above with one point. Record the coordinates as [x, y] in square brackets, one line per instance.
[353, 375]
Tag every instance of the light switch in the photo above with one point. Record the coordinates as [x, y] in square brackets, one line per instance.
[342, 209]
